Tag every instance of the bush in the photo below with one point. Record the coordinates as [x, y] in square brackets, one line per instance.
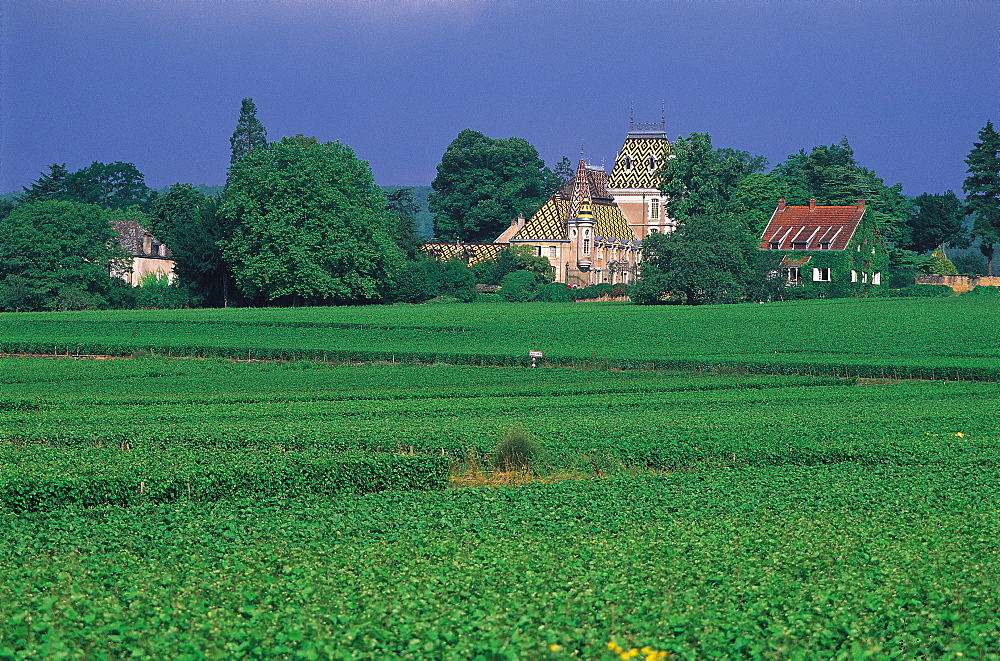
[516, 451]
[156, 291]
[556, 292]
[983, 290]
[921, 291]
[487, 297]
[519, 287]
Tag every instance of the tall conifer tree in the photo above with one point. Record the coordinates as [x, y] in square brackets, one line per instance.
[249, 133]
[982, 188]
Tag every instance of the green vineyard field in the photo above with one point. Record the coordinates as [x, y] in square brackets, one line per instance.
[934, 338]
[738, 482]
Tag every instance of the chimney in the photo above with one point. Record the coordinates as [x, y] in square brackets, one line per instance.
[781, 204]
[861, 204]
[812, 204]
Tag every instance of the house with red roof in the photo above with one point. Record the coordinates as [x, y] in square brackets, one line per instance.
[827, 250]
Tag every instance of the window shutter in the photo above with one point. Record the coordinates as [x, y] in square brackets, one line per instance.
[816, 276]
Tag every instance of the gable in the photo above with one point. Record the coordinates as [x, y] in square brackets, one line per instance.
[812, 227]
[638, 164]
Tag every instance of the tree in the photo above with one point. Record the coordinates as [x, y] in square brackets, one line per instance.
[519, 287]
[309, 225]
[188, 222]
[712, 256]
[403, 210]
[108, 185]
[934, 221]
[514, 258]
[482, 184]
[564, 170]
[701, 180]
[249, 133]
[57, 254]
[708, 259]
[942, 265]
[832, 175]
[982, 189]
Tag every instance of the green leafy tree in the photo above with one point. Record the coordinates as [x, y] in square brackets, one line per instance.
[510, 259]
[482, 184]
[249, 134]
[189, 223]
[108, 185]
[942, 265]
[519, 286]
[982, 191]
[403, 210]
[309, 225]
[57, 254]
[832, 175]
[701, 180]
[708, 259]
[712, 256]
[935, 221]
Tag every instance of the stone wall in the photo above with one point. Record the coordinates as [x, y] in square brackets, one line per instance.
[959, 283]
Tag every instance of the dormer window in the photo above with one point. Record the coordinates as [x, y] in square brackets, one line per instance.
[799, 245]
[627, 163]
[651, 162]
[824, 245]
[775, 245]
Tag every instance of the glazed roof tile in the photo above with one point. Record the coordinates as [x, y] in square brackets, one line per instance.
[634, 167]
[471, 253]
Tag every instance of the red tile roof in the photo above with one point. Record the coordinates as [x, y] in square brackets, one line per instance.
[811, 227]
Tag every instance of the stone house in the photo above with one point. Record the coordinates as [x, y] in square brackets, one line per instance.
[149, 254]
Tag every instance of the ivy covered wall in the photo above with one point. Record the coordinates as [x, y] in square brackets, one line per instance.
[866, 255]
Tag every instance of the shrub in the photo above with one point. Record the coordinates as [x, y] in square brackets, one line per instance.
[921, 291]
[516, 451]
[487, 297]
[983, 290]
[555, 292]
[519, 286]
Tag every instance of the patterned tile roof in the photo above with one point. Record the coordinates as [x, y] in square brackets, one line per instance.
[546, 224]
[610, 223]
[589, 186]
[638, 164]
[811, 227]
[470, 253]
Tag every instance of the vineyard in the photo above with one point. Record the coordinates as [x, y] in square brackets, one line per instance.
[181, 504]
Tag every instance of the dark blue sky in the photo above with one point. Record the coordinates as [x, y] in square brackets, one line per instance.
[158, 82]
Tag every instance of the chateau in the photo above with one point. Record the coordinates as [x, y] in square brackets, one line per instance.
[592, 227]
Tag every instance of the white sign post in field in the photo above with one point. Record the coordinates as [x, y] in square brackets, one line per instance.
[535, 355]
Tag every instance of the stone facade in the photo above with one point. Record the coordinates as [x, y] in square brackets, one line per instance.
[149, 254]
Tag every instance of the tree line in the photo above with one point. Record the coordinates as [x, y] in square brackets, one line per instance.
[723, 198]
[301, 222]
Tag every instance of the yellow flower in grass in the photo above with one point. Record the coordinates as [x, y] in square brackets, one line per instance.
[555, 648]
